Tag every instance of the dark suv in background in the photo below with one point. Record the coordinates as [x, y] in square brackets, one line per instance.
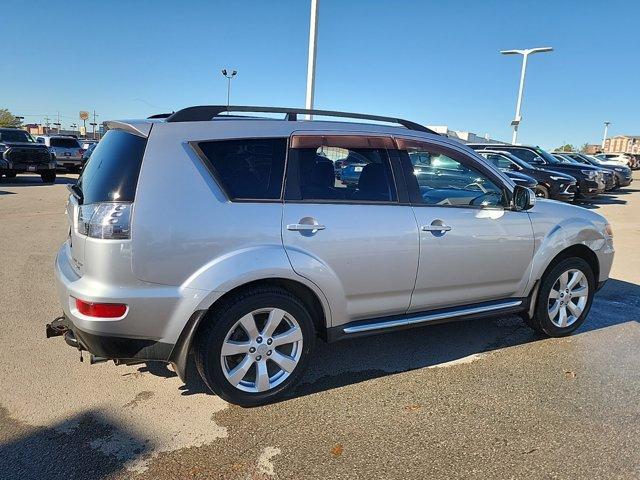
[590, 179]
[554, 185]
[622, 174]
[19, 153]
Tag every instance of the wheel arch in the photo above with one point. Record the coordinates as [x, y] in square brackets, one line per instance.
[310, 299]
[578, 250]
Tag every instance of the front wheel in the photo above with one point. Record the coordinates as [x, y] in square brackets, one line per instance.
[48, 177]
[255, 346]
[541, 191]
[564, 298]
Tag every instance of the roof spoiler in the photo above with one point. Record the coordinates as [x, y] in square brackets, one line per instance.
[137, 127]
[205, 113]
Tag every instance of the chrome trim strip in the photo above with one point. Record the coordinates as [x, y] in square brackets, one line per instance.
[366, 327]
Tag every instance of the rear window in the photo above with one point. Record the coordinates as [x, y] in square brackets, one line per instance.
[247, 169]
[111, 174]
[15, 136]
[64, 142]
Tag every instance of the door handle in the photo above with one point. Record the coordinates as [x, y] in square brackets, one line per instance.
[304, 227]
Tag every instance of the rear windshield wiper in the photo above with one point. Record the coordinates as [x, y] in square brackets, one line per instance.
[76, 191]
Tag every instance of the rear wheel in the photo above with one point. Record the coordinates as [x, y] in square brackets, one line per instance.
[564, 298]
[255, 346]
[48, 177]
[541, 191]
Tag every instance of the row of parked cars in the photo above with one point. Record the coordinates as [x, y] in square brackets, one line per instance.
[565, 176]
[20, 152]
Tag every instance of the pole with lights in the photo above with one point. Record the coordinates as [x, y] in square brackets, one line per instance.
[229, 75]
[525, 56]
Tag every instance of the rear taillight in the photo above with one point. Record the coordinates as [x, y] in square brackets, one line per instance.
[101, 310]
[109, 220]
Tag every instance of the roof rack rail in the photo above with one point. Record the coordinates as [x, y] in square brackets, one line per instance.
[204, 113]
[160, 115]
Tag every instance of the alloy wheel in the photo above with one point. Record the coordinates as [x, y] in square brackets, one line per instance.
[261, 350]
[568, 298]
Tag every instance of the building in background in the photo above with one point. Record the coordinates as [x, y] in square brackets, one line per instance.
[38, 129]
[622, 144]
[461, 135]
[592, 148]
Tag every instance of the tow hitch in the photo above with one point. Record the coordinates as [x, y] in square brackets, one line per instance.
[59, 328]
[56, 328]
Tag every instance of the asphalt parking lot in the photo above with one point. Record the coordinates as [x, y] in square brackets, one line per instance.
[473, 400]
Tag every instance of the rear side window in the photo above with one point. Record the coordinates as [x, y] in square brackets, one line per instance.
[249, 168]
[112, 172]
[345, 174]
[64, 143]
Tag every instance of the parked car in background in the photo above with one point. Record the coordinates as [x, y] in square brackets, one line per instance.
[66, 150]
[607, 175]
[87, 154]
[624, 158]
[20, 153]
[623, 176]
[242, 260]
[550, 184]
[590, 179]
[87, 143]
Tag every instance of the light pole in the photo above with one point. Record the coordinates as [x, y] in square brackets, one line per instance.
[525, 55]
[229, 76]
[606, 129]
[311, 63]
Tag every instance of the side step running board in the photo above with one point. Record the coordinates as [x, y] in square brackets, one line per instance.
[380, 325]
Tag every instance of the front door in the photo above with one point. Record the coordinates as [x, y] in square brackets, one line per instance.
[472, 248]
[344, 227]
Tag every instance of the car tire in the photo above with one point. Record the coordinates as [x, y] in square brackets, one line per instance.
[239, 378]
[564, 300]
[541, 191]
[48, 177]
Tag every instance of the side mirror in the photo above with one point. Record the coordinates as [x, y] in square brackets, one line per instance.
[523, 198]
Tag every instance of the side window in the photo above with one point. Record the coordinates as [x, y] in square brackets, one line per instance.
[444, 181]
[250, 168]
[349, 174]
[499, 161]
[527, 155]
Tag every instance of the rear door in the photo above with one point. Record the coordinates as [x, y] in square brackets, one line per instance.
[472, 248]
[347, 225]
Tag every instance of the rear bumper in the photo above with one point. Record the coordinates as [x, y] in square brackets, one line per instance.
[155, 317]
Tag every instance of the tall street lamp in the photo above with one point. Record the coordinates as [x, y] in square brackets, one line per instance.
[311, 61]
[525, 55]
[229, 75]
[606, 129]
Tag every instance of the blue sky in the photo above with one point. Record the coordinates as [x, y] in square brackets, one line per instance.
[435, 62]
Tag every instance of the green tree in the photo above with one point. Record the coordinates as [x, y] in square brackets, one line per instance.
[566, 148]
[8, 119]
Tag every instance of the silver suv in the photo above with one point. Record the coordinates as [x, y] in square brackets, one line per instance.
[66, 150]
[235, 240]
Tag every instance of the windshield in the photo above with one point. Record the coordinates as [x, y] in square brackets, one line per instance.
[64, 142]
[547, 156]
[16, 136]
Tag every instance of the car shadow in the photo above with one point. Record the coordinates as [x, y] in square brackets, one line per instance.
[88, 446]
[31, 180]
[349, 362]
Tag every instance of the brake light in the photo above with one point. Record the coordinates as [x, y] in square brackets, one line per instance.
[108, 220]
[101, 310]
